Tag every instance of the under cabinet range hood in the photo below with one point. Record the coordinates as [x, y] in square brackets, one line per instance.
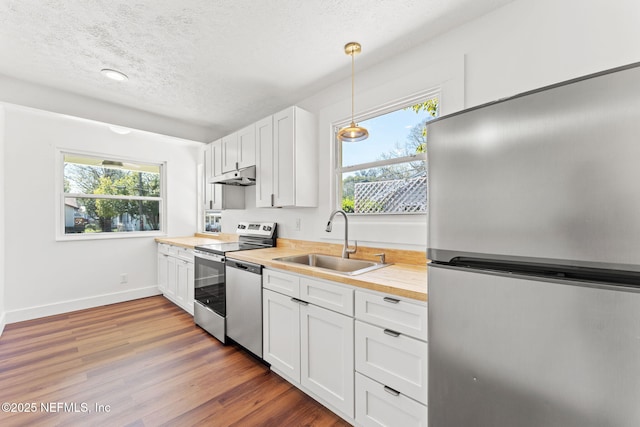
[242, 177]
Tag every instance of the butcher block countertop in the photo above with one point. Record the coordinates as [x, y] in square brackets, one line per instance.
[405, 277]
[196, 240]
[400, 279]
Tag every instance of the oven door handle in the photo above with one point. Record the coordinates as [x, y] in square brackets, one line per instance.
[209, 257]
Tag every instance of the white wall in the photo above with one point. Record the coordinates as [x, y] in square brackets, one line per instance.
[2, 226]
[44, 276]
[522, 46]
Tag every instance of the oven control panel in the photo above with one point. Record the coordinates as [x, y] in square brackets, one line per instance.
[263, 229]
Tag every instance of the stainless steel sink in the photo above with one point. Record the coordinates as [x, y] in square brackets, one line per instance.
[335, 264]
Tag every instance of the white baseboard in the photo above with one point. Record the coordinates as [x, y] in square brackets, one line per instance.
[79, 304]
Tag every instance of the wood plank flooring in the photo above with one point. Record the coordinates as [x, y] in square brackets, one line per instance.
[140, 363]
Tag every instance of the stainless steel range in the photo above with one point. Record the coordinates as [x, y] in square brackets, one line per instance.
[212, 296]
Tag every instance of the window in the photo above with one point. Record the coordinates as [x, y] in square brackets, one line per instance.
[109, 196]
[387, 172]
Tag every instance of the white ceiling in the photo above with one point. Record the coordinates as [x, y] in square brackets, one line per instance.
[217, 64]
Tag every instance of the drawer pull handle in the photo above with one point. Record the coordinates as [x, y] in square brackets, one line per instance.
[391, 391]
[299, 301]
[392, 333]
[391, 300]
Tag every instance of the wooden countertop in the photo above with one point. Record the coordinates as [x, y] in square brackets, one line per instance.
[192, 241]
[405, 280]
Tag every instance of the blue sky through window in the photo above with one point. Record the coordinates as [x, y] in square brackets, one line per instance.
[386, 132]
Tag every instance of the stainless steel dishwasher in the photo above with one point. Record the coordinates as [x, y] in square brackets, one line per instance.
[244, 304]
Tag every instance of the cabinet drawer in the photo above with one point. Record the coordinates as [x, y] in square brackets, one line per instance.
[163, 248]
[393, 313]
[185, 254]
[330, 296]
[394, 359]
[287, 284]
[378, 406]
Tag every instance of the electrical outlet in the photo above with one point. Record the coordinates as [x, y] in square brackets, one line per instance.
[124, 278]
[298, 223]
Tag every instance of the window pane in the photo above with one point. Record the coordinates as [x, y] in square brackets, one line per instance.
[89, 215]
[396, 134]
[88, 175]
[389, 187]
[400, 188]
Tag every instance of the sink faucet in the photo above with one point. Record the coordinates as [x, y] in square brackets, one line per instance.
[345, 249]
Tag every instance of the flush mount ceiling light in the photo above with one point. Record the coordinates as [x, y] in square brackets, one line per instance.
[353, 132]
[114, 75]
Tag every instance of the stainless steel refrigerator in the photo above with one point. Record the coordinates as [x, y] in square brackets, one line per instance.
[534, 237]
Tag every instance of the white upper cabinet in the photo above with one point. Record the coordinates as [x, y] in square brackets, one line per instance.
[229, 152]
[217, 196]
[213, 160]
[247, 147]
[239, 149]
[216, 158]
[287, 168]
[264, 162]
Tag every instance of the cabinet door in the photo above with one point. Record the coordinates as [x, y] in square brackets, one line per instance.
[264, 163]
[172, 278]
[162, 271]
[283, 155]
[229, 152]
[216, 158]
[327, 356]
[216, 196]
[182, 283]
[281, 334]
[380, 406]
[247, 147]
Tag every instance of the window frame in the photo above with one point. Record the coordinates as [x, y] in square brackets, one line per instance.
[61, 235]
[386, 108]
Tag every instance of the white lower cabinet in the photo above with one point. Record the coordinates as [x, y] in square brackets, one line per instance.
[163, 267]
[371, 370]
[378, 405]
[390, 360]
[185, 287]
[175, 277]
[281, 333]
[309, 345]
[327, 356]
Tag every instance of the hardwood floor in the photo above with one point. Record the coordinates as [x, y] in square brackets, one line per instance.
[140, 363]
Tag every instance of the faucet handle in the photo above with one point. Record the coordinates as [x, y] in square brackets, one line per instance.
[354, 250]
[382, 257]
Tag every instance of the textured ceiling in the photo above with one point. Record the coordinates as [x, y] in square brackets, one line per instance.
[218, 64]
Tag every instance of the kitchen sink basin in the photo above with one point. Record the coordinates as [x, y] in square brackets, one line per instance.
[333, 263]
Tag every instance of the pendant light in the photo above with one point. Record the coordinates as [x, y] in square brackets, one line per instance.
[353, 132]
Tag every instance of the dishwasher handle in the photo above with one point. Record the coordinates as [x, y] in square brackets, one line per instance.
[244, 266]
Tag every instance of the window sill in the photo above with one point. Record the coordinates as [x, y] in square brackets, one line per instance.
[80, 237]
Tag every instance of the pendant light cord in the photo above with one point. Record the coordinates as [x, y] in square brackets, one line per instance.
[352, 84]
